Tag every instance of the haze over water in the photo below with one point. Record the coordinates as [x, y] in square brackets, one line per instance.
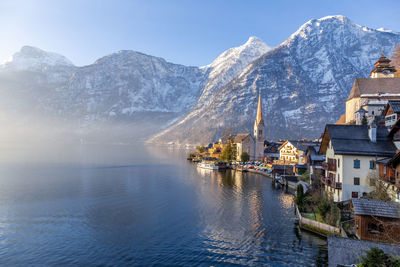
[120, 205]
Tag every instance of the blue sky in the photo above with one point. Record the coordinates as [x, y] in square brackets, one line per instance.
[186, 32]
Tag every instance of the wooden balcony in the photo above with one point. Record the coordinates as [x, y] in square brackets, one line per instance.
[330, 182]
[328, 166]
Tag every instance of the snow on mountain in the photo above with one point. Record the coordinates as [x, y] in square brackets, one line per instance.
[228, 65]
[126, 82]
[32, 58]
[304, 83]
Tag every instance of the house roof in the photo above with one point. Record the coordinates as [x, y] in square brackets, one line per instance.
[313, 154]
[388, 209]
[384, 161]
[395, 160]
[299, 144]
[354, 140]
[395, 105]
[394, 129]
[377, 86]
[240, 137]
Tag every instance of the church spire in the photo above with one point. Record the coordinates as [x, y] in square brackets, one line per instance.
[259, 118]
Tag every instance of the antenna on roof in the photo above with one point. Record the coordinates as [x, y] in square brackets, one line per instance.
[382, 51]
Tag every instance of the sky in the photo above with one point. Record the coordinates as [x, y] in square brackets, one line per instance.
[184, 32]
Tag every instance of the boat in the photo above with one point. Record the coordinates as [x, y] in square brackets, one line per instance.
[196, 159]
[208, 166]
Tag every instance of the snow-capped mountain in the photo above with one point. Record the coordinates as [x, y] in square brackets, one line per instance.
[32, 58]
[128, 87]
[304, 83]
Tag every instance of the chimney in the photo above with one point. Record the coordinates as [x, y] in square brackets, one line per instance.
[372, 131]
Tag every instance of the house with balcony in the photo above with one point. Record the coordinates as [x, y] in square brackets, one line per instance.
[351, 153]
[391, 113]
[293, 152]
[388, 175]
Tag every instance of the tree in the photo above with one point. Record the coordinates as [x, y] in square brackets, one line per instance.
[376, 257]
[306, 176]
[300, 196]
[395, 57]
[229, 151]
[201, 149]
[364, 120]
[381, 190]
[245, 156]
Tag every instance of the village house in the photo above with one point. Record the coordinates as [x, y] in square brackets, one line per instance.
[351, 152]
[376, 220]
[378, 89]
[387, 176]
[293, 152]
[215, 151]
[391, 113]
[314, 162]
[271, 151]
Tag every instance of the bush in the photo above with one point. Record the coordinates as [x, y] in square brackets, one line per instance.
[376, 257]
[323, 207]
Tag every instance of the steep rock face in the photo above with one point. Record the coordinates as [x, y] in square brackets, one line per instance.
[304, 83]
[126, 82]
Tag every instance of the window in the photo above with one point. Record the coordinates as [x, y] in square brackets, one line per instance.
[356, 180]
[354, 194]
[372, 165]
[356, 164]
[338, 163]
[384, 170]
[372, 228]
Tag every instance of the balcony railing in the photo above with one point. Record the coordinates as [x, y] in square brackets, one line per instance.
[330, 182]
[329, 166]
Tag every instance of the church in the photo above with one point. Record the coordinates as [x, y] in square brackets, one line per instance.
[369, 96]
[252, 145]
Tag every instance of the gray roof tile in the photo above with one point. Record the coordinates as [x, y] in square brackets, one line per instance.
[377, 208]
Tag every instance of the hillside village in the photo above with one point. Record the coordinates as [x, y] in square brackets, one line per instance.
[353, 168]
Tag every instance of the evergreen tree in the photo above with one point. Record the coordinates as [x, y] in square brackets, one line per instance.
[364, 120]
[299, 197]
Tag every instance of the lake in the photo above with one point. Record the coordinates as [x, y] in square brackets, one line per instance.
[118, 205]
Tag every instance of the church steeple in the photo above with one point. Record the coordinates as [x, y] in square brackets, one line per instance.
[259, 131]
[259, 118]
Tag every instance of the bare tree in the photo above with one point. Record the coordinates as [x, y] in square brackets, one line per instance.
[395, 57]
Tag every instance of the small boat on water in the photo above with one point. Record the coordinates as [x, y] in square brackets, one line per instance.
[208, 166]
[196, 159]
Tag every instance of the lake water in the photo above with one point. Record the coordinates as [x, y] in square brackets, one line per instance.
[120, 205]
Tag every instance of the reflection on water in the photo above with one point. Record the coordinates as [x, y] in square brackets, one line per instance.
[120, 205]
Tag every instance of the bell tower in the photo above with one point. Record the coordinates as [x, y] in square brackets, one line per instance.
[383, 69]
[259, 132]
